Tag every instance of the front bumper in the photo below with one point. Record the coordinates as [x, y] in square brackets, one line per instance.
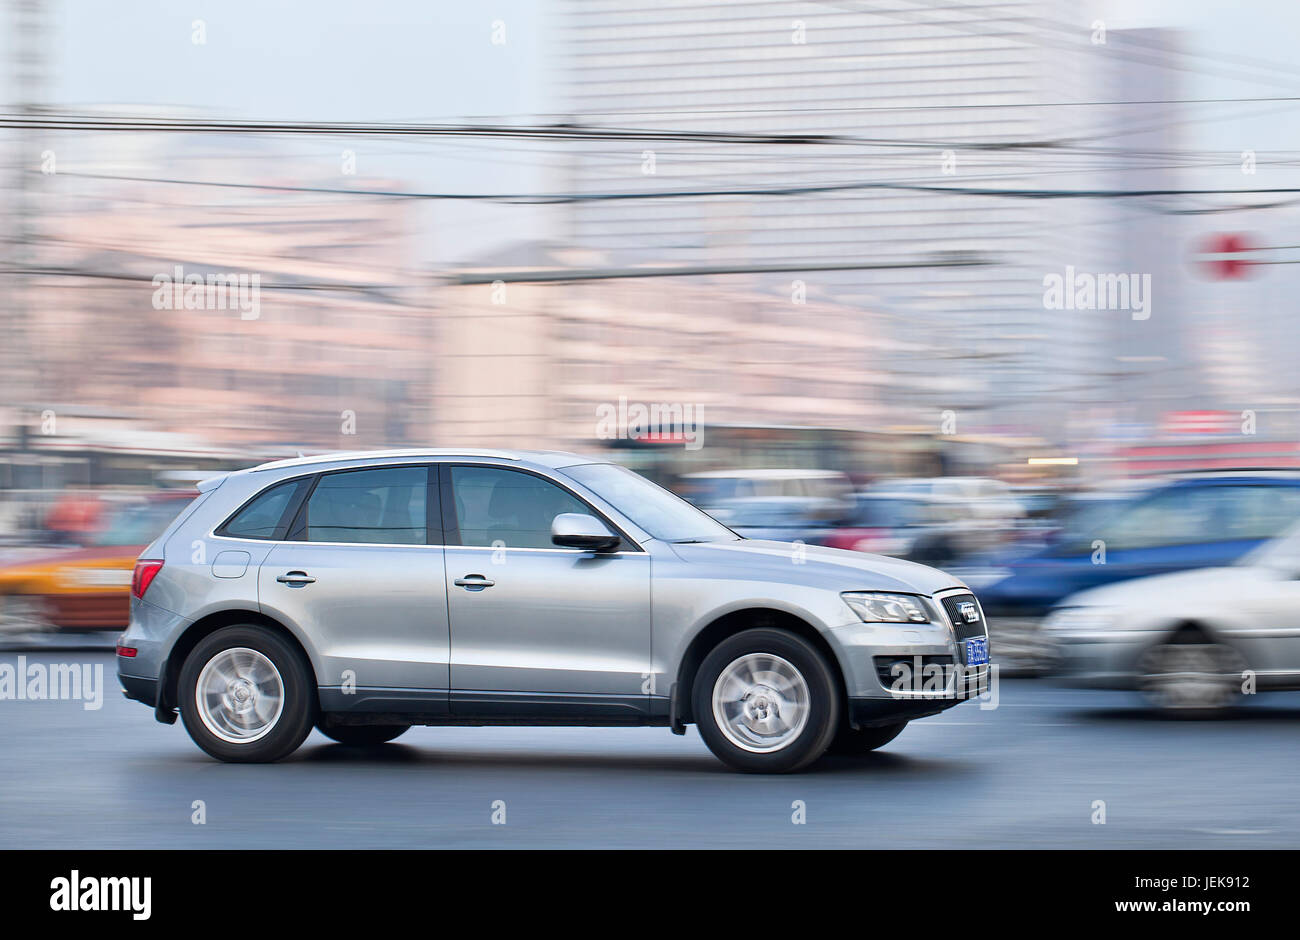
[1102, 660]
[873, 712]
[900, 671]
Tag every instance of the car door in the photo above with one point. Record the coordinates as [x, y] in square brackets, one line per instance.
[538, 630]
[358, 574]
[1265, 627]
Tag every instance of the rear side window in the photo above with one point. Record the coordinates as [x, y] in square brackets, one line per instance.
[387, 505]
[265, 517]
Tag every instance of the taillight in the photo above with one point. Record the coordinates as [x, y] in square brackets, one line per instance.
[146, 569]
[127, 652]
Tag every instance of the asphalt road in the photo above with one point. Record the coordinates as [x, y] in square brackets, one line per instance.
[1024, 774]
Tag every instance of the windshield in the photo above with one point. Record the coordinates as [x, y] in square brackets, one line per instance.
[139, 523]
[652, 507]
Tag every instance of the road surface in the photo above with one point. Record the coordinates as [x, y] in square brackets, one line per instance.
[1027, 773]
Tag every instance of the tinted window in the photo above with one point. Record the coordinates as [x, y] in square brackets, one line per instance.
[384, 505]
[260, 519]
[507, 507]
[1185, 515]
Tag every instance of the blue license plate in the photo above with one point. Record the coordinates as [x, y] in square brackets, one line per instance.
[977, 651]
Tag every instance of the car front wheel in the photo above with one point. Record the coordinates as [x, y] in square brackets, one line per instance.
[766, 701]
[247, 695]
[863, 740]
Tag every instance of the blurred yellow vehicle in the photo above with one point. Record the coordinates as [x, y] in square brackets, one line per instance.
[86, 588]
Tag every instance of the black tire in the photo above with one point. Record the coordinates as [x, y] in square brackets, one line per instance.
[1191, 675]
[361, 735]
[864, 740]
[823, 701]
[297, 714]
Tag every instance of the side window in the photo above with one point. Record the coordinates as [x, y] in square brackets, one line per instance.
[1259, 511]
[507, 507]
[383, 505]
[1205, 514]
[262, 518]
[1169, 518]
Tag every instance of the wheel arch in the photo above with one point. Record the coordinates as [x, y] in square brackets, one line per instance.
[727, 625]
[169, 674]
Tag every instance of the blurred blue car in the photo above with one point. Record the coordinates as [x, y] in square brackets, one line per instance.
[1197, 521]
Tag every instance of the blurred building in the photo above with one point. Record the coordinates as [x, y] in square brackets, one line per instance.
[951, 96]
[527, 362]
[336, 353]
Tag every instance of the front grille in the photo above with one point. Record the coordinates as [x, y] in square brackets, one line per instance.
[961, 626]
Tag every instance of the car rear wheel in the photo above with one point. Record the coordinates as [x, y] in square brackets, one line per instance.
[247, 695]
[863, 740]
[766, 701]
[1191, 676]
[361, 735]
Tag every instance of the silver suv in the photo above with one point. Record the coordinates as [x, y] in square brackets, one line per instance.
[365, 593]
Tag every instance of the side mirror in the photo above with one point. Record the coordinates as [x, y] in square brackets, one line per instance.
[579, 530]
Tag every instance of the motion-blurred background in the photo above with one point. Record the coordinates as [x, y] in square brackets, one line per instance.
[965, 282]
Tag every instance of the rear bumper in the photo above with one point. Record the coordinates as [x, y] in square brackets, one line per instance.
[139, 688]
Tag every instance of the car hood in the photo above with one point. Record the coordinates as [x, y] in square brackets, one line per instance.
[817, 566]
[1179, 589]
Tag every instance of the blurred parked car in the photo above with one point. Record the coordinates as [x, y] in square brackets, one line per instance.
[989, 500]
[87, 587]
[930, 530]
[828, 493]
[1187, 639]
[1196, 521]
[772, 517]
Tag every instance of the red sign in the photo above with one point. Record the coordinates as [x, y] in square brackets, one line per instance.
[1224, 257]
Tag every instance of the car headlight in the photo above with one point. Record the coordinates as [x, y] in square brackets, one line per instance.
[1071, 620]
[873, 607]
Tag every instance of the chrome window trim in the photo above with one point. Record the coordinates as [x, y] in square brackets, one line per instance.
[447, 462]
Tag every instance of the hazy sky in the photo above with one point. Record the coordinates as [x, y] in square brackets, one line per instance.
[435, 60]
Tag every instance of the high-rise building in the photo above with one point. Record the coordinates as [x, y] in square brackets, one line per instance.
[907, 99]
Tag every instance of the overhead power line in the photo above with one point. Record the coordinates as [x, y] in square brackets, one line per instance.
[797, 190]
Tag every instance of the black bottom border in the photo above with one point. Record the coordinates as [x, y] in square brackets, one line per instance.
[569, 890]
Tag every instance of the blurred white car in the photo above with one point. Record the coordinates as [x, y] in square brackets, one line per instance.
[1192, 640]
[986, 499]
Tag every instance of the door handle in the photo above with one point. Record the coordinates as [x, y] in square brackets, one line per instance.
[296, 577]
[473, 580]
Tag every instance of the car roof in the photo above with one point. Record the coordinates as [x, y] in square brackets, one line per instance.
[1283, 477]
[547, 458]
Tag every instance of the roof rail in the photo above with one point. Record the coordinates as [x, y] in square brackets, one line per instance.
[387, 455]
